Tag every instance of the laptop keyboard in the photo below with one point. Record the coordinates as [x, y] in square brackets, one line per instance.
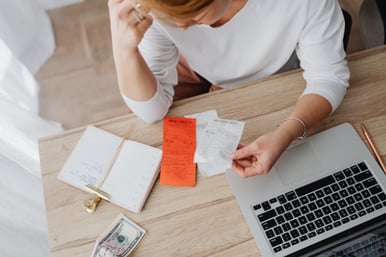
[375, 246]
[320, 206]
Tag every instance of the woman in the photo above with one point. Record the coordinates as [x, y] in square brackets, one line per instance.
[228, 42]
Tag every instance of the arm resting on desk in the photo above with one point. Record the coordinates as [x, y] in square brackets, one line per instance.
[321, 54]
[259, 156]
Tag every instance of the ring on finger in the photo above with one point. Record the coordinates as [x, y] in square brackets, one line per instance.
[138, 14]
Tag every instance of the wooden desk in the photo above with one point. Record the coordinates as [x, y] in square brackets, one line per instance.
[204, 220]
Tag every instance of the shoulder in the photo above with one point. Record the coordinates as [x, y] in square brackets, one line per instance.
[322, 6]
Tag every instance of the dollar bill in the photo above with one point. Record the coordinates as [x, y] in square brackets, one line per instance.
[120, 239]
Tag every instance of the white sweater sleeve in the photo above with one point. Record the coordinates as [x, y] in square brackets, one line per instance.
[321, 52]
[156, 107]
[161, 55]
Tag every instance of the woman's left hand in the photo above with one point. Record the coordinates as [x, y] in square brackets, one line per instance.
[259, 156]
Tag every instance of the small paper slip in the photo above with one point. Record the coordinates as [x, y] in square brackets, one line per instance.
[203, 119]
[131, 177]
[179, 144]
[220, 139]
[216, 139]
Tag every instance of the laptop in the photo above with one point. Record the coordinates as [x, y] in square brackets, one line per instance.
[325, 196]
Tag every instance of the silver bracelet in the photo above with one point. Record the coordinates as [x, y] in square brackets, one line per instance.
[304, 135]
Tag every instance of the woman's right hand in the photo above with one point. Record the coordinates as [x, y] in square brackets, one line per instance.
[127, 24]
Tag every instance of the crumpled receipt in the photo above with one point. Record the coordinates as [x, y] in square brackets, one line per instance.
[217, 139]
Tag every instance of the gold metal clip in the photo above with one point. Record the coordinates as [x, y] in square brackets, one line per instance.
[91, 203]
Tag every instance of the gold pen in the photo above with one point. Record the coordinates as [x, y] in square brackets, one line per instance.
[372, 146]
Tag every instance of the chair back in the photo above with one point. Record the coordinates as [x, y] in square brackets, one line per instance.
[372, 15]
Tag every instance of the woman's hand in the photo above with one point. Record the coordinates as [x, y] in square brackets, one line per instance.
[128, 24]
[259, 156]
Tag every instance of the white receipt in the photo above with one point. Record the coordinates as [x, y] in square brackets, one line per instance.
[202, 121]
[220, 140]
[217, 139]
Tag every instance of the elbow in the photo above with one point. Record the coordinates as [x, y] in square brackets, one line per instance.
[150, 119]
[153, 109]
[150, 113]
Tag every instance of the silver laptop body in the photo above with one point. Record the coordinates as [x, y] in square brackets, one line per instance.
[330, 180]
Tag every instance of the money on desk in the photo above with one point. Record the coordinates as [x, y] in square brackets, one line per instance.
[120, 239]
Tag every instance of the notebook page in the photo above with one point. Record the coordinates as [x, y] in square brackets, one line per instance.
[132, 175]
[90, 158]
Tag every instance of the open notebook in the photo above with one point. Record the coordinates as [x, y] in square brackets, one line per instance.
[135, 167]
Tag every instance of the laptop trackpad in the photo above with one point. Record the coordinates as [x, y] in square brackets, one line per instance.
[297, 163]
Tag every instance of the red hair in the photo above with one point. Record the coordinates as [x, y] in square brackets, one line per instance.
[176, 8]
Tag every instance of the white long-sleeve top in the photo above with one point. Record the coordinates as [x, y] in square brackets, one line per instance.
[255, 43]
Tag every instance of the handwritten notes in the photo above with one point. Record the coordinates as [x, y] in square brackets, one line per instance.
[90, 158]
[131, 177]
[179, 145]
